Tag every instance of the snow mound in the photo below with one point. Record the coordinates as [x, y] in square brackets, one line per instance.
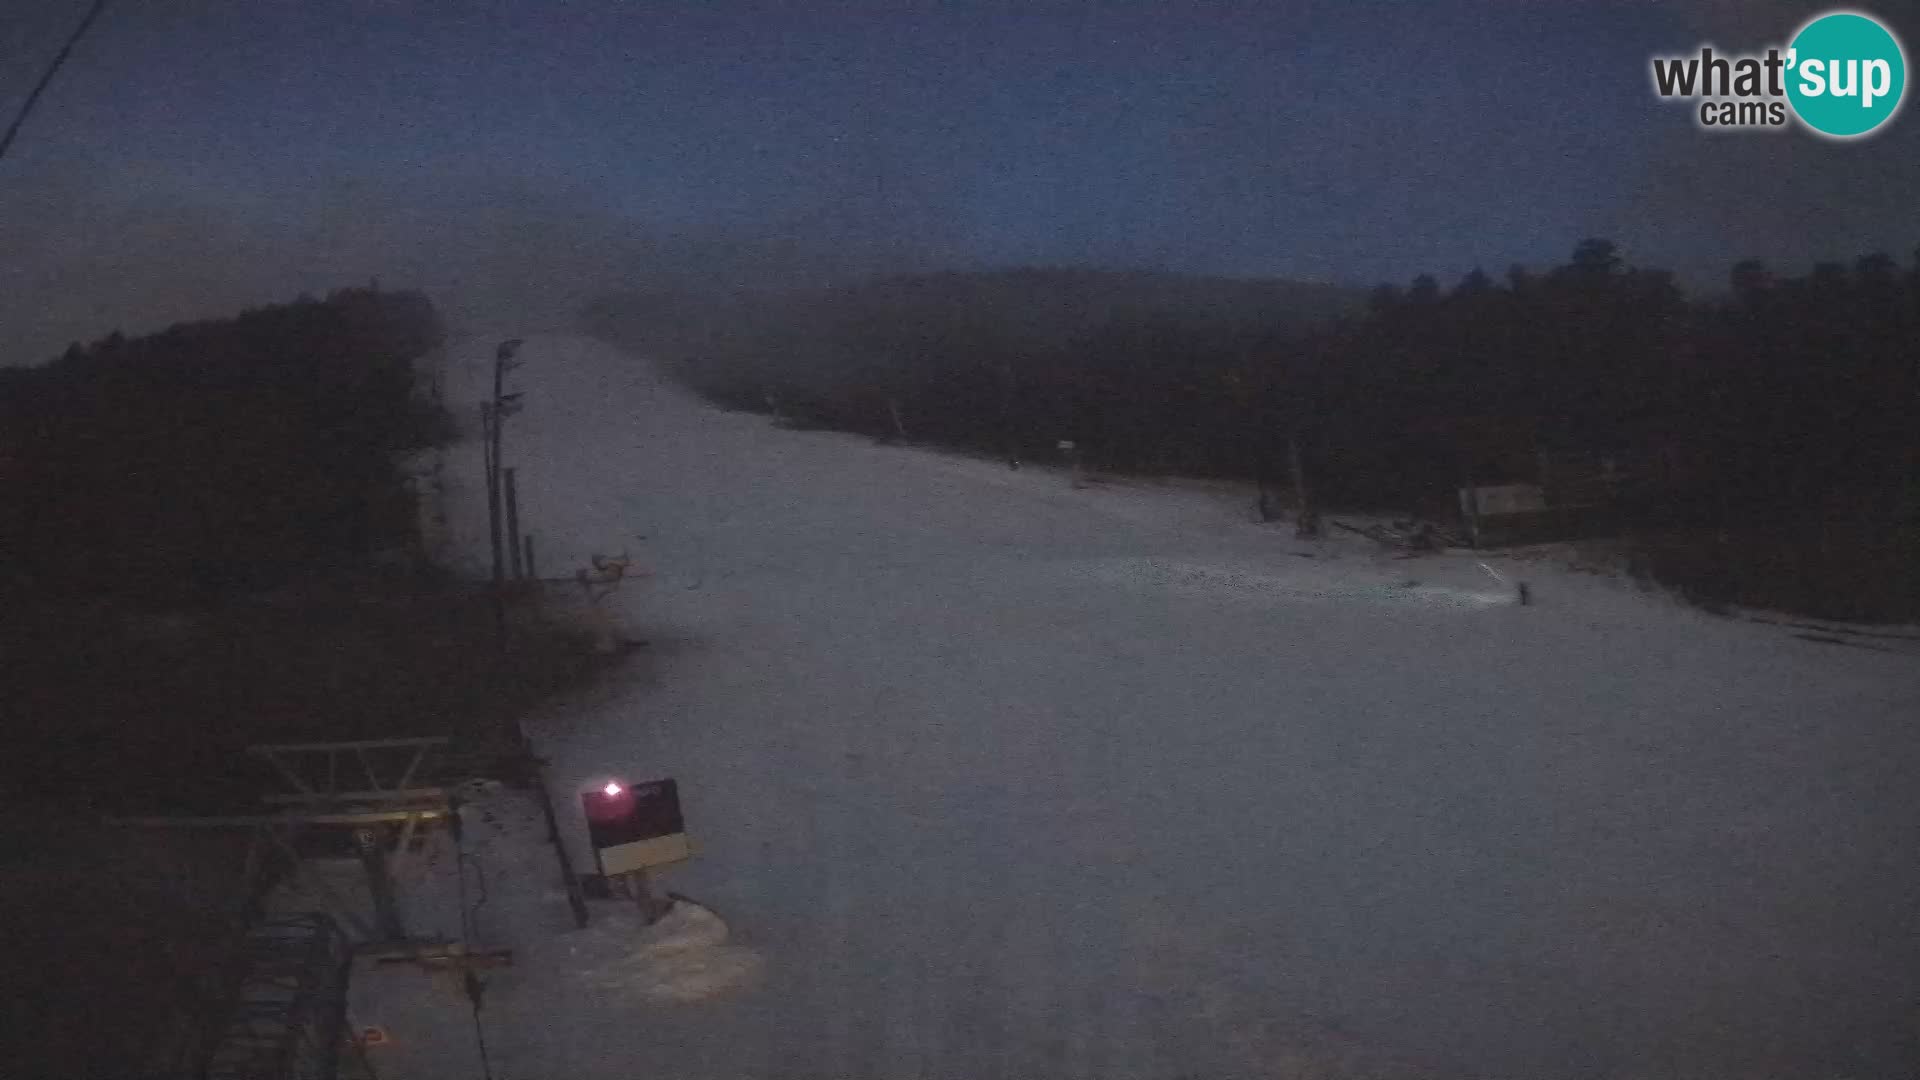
[1213, 580]
[685, 957]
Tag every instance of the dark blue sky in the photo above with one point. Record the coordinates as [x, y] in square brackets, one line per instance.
[196, 155]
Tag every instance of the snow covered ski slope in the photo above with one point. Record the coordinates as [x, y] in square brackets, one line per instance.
[1000, 778]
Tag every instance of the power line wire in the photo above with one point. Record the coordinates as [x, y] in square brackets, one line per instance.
[33, 97]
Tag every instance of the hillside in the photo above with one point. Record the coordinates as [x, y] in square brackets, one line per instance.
[1041, 305]
[984, 360]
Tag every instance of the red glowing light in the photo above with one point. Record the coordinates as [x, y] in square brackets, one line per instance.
[611, 789]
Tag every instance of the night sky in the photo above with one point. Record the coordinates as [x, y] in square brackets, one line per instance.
[198, 156]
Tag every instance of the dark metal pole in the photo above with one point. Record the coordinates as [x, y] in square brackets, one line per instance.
[493, 489]
[488, 421]
[513, 524]
[497, 409]
[499, 371]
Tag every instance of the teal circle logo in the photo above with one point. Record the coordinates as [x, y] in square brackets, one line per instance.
[1847, 74]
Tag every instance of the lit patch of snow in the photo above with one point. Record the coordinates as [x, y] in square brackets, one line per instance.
[685, 957]
[1308, 583]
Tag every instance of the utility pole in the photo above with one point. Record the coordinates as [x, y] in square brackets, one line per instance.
[494, 413]
[489, 422]
[513, 525]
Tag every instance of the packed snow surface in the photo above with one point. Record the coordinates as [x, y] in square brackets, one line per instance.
[996, 776]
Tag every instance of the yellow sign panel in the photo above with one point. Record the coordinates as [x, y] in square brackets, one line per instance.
[645, 854]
